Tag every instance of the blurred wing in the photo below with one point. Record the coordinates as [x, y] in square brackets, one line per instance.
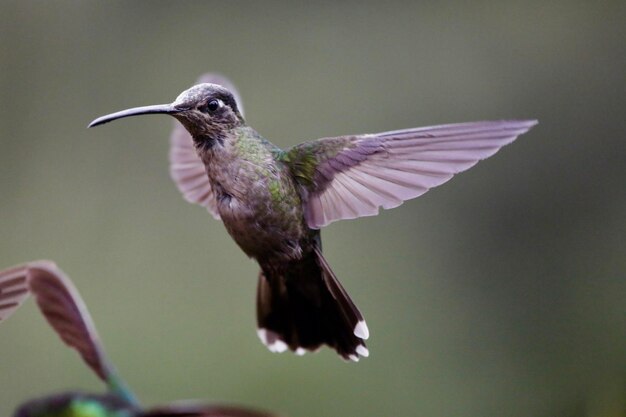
[63, 307]
[352, 176]
[198, 410]
[186, 167]
[13, 290]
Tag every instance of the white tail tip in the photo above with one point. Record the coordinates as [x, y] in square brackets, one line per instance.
[361, 330]
[362, 350]
[271, 340]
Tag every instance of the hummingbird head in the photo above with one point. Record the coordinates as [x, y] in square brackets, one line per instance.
[208, 112]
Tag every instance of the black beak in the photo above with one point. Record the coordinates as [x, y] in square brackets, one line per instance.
[136, 111]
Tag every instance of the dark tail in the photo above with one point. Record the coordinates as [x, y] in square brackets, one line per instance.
[303, 306]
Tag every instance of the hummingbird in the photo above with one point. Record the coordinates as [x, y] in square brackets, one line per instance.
[273, 202]
[64, 309]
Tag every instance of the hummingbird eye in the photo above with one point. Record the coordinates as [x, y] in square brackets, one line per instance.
[214, 104]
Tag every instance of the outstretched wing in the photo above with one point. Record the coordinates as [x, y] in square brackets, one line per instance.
[13, 290]
[352, 176]
[186, 167]
[63, 307]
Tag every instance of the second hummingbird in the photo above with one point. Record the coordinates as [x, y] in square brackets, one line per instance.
[273, 202]
[61, 304]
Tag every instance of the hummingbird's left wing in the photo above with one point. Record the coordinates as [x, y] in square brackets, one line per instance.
[13, 290]
[65, 311]
[352, 176]
[186, 168]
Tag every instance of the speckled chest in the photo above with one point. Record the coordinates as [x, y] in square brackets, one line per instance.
[257, 198]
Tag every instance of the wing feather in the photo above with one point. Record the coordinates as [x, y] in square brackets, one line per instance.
[353, 176]
[13, 290]
[65, 311]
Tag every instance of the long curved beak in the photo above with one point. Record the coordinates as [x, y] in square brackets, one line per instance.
[136, 111]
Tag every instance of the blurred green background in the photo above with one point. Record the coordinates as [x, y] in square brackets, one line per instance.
[501, 293]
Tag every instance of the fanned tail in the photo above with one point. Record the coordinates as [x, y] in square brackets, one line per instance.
[302, 306]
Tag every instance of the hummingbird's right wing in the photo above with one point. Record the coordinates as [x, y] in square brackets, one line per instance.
[13, 290]
[65, 311]
[186, 168]
[347, 177]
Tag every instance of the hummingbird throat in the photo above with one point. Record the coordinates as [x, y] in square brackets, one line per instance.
[206, 142]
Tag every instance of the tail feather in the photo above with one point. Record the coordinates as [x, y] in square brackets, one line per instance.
[349, 310]
[302, 305]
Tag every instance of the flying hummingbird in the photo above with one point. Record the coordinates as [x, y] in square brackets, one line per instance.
[273, 202]
[65, 311]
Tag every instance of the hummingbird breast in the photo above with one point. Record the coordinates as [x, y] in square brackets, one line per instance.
[258, 200]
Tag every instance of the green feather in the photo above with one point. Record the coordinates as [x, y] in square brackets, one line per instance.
[304, 159]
